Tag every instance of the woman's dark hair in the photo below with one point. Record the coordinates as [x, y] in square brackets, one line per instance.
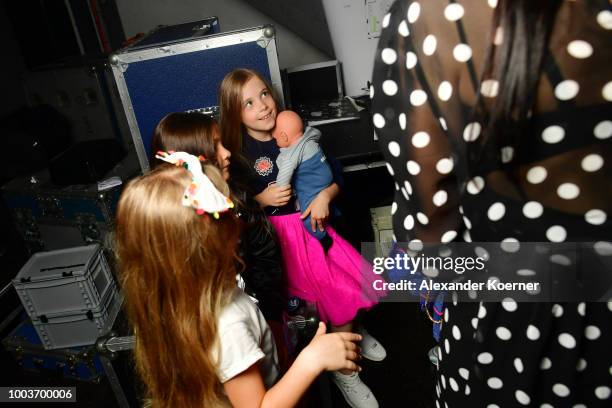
[193, 133]
[517, 63]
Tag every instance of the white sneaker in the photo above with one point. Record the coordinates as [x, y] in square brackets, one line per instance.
[355, 392]
[370, 347]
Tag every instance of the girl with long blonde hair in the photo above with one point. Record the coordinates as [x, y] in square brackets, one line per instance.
[200, 341]
[260, 266]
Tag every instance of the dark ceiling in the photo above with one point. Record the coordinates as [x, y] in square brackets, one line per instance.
[305, 17]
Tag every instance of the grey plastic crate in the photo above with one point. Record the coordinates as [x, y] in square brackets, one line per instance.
[65, 281]
[79, 328]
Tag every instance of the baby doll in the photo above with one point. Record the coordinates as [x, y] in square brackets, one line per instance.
[300, 152]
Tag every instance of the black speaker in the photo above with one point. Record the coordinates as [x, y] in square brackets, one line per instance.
[85, 162]
[43, 30]
[32, 135]
[52, 30]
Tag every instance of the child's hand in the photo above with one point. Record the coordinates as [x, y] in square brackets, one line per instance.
[275, 196]
[318, 211]
[332, 352]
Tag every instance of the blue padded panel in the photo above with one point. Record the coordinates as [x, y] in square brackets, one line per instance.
[177, 83]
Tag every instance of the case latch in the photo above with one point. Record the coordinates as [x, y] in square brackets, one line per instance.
[268, 34]
[116, 61]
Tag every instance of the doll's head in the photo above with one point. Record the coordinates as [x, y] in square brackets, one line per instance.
[289, 128]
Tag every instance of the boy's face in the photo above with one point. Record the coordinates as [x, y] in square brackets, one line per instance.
[258, 107]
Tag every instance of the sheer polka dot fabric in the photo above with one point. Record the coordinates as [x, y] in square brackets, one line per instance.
[553, 185]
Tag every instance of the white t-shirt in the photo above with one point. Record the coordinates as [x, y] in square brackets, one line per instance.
[245, 338]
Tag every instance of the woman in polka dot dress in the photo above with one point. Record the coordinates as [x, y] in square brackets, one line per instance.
[496, 120]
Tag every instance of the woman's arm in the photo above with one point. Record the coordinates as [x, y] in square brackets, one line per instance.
[417, 144]
[332, 351]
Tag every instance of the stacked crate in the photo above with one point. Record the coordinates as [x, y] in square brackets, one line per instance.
[69, 294]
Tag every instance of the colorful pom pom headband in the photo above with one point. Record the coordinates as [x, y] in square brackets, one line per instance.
[201, 194]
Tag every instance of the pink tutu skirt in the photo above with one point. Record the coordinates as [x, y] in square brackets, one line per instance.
[340, 283]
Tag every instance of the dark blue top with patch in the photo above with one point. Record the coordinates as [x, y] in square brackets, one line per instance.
[262, 160]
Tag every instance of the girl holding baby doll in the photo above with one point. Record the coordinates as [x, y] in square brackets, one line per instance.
[339, 283]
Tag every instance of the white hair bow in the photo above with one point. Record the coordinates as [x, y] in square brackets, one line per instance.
[201, 193]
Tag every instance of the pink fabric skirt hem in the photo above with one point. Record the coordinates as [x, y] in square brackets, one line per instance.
[340, 283]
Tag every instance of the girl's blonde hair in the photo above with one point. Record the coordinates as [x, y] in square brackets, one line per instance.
[230, 102]
[177, 270]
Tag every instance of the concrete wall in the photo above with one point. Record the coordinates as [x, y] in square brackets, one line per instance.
[351, 31]
[305, 17]
[143, 15]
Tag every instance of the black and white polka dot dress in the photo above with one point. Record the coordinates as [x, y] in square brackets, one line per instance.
[426, 81]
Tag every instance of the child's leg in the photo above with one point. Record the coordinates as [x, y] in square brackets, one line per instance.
[347, 327]
[370, 347]
[355, 392]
